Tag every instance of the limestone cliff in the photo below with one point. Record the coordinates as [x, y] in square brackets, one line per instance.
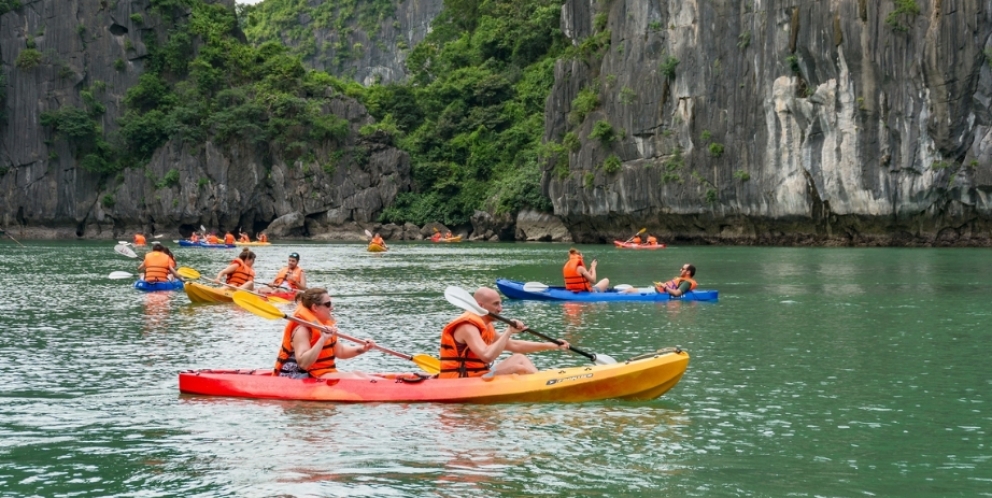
[58, 53]
[367, 41]
[845, 122]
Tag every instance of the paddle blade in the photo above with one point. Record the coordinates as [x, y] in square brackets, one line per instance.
[203, 229]
[427, 363]
[257, 305]
[277, 300]
[118, 275]
[159, 236]
[638, 233]
[462, 299]
[535, 287]
[188, 273]
[623, 287]
[602, 359]
[368, 233]
[123, 242]
[125, 251]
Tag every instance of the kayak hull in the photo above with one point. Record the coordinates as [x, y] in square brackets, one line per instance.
[630, 245]
[199, 293]
[253, 243]
[376, 248]
[642, 378]
[457, 238]
[158, 286]
[186, 243]
[515, 290]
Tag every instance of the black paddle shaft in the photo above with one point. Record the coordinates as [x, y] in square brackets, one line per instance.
[549, 338]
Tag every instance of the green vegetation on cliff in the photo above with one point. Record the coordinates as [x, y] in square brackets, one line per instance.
[472, 114]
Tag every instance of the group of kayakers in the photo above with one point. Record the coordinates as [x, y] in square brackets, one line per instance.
[229, 239]
[650, 241]
[579, 278]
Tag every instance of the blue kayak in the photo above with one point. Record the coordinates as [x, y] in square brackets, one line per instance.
[186, 243]
[158, 286]
[515, 290]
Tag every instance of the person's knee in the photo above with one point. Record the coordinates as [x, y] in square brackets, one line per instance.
[522, 364]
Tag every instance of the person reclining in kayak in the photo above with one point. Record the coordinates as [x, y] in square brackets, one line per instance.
[676, 287]
[470, 344]
[158, 266]
[312, 352]
[240, 273]
[578, 278]
[289, 278]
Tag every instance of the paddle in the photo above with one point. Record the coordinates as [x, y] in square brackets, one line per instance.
[263, 309]
[120, 275]
[125, 251]
[635, 235]
[189, 273]
[462, 299]
[539, 287]
[12, 238]
[368, 234]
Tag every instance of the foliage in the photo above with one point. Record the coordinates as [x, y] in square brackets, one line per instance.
[668, 67]
[940, 165]
[793, 62]
[716, 149]
[627, 96]
[603, 131]
[612, 164]
[903, 8]
[705, 135]
[171, 179]
[988, 56]
[28, 59]
[9, 5]
[571, 142]
[710, 196]
[585, 102]
[119, 64]
[742, 175]
[107, 201]
[589, 180]
[137, 19]
[743, 40]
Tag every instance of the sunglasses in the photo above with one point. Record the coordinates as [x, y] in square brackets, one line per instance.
[328, 304]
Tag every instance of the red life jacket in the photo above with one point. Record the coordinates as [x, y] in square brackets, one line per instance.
[574, 281]
[457, 359]
[240, 275]
[296, 275]
[325, 361]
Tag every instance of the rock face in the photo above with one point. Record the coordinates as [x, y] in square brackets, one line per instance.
[225, 187]
[540, 227]
[367, 55]
[842, 122]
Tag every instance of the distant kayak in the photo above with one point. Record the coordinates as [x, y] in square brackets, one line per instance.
[630, 245]
[187, 243]
[373, 247]
[515, 290]
[641, 378]
[158, 286]
[457, 238]
[253, 243]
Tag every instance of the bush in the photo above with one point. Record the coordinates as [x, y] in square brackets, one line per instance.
[705, 136]
[119, 64]
[906, 8]
[28, 59]
[9, 5]
[711, 196]
[171, 179]
[589, 180]
[793, 62]
[137, 19]
[571, 142]
[202, 182]
[603, 131]
[742, 175]
[585, 102]
[612, 164]
[107, 201]
[716, 149]
[668, 67]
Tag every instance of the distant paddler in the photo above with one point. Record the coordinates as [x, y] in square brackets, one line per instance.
[240, 273]
[158, 265]
[313, 352]
[229, 238]
[290, 278]
[377, 239]
[470, 343]
[139, 239]
[243, 237]
[580, 279]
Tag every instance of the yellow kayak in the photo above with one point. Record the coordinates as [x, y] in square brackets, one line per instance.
[199, 293]
[376, 248]
[253, 243]
[457, 238]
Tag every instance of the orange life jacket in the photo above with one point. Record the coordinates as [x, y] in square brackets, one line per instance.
[139, 240]
[244, 238]
[228, 239]
[378, 240]
[652, 240]
[240, 275]
[436, 237]
[286, 360]
[574, 281]
[296, 275]
[212, 239]
[157, 264]
[636, 240]
[675, 282]
[458, 360]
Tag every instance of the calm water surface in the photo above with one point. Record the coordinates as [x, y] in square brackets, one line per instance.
[820, 372]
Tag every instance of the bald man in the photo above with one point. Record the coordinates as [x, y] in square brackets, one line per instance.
[470, 343]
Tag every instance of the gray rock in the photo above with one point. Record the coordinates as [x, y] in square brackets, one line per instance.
[540, 227]
[286, 224]
[411, 232]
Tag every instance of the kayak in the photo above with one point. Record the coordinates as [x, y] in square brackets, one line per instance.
[457, 238]
[187, 243]
[643, 377]
[630, 245]
[158, 286]
[199, 293]
[515, 290]
[376, 248]
[253, 243]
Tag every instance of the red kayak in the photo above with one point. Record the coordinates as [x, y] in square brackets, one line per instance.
[630, 245]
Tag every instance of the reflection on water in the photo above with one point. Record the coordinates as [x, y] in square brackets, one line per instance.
[819, 372]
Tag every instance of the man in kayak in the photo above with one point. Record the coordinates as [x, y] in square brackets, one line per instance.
[470, 343]
[652, 240]
[578, 278]
[636, 239]
[158, 266]
[680, 284]
[289, 278]
[377, 239]
[311, 351]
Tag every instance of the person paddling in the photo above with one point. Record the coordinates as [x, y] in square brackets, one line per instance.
[312, 352]
[291, 277]
[243, 237]
[158, 266]
[240, 273]
[652, 240]
[229, 238]
[636, 240]
[139, 239]
[377, 239]
[470, 343]
[680, 284]
[580, 279]
[262, 237]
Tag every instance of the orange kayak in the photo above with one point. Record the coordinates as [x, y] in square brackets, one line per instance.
[630, 245]
[643, 377]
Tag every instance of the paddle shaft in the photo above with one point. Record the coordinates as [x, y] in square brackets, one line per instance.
[635, 235]
[346, 337]
[542, 336]
[12, 238]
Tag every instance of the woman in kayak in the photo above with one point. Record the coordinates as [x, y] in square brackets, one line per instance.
[311, 351]
[470, 344]
[578, 278]
[158, 266]
[240, 273]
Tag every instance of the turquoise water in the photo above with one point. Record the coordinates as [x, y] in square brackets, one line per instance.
[820, 372]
